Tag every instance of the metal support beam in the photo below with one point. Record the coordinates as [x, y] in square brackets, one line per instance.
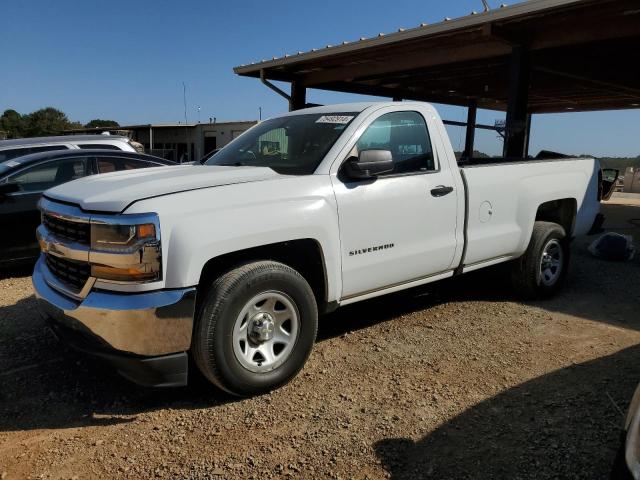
[471, 130]
[518, 99]
[279, 91]
[528, 136]
[455, 123]
[298, 98]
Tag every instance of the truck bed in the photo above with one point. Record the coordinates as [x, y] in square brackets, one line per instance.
[502, 197]
[541, 157]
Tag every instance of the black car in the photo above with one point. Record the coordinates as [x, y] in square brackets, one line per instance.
[23, 179]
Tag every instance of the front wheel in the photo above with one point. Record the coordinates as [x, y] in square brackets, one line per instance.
[256, 328]
[540, 272]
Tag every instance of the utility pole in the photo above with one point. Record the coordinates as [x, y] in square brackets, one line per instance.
[186, 128]
[259, 114]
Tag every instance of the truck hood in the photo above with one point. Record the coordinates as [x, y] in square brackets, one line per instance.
[113, 192]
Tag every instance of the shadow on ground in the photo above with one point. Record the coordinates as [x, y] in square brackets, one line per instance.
[554, 426]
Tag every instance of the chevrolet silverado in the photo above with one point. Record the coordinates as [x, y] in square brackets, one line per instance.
[229, 264]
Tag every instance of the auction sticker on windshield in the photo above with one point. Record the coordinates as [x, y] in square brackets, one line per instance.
[340, 119]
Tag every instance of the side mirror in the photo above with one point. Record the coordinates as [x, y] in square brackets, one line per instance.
[369, 164]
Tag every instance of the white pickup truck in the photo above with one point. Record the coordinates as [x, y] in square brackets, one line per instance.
[230, 263]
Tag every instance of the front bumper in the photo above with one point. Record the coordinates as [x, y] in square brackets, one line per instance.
[145, 335]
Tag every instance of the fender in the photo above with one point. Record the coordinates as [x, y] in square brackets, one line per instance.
[200, 225]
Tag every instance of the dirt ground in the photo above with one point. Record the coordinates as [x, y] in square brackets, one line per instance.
[455, 380]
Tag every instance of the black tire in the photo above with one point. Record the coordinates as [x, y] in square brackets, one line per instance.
[526, 274]
[224, 300]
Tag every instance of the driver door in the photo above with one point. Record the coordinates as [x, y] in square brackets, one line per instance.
[398, 227]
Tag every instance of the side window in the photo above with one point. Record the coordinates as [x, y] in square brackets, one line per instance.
[274, 142]
[18, 152]
[49, 174]
[405, 135]
[98, 146]
[114, 164]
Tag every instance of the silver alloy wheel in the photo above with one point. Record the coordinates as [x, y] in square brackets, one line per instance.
[266, 331]
[551, 262]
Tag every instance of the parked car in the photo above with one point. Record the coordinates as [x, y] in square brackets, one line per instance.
[23, 179]
[306, 212]
[18, 147]
[627, 462]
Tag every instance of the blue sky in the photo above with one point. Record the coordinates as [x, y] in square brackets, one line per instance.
[127, 60]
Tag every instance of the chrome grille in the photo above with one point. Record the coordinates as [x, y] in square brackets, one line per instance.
[72, 273]
[79, 232]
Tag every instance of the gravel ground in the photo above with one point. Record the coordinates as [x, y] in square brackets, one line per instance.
[457, 380]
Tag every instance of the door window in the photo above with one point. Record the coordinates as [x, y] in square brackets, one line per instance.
[114, 164]
[19, 152]
[49, 174]
[98, 146]
[406, 136]
[274, 142]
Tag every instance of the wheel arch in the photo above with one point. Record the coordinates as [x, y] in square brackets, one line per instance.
[561, 211]
[303, 255]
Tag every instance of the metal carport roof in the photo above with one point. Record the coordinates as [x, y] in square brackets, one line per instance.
[539, 56]
[580, 55]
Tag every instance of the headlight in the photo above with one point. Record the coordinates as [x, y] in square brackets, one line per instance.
[120, 237]
[126, 252]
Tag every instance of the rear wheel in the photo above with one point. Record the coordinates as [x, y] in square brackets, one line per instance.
[540, 272]
[256, 328]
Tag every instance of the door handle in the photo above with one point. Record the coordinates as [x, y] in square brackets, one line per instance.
[441, 191]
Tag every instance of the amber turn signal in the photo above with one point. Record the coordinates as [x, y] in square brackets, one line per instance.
[146, 230]
[121, 274]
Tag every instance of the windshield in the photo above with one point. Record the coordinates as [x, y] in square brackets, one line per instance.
[291, 145]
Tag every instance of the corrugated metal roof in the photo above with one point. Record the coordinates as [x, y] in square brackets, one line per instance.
[504, 12]
[579, 56]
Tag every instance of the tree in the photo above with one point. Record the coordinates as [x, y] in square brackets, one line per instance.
[47, 121]
[12, 123]
[102, 123]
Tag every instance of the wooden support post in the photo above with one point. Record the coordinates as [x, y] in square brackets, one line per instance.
[471, 130]
[298, 98]
[516, 122]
